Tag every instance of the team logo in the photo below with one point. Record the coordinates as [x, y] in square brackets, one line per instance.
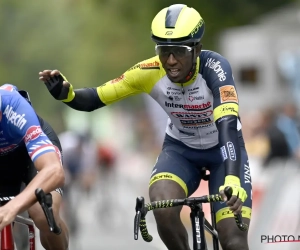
[117, 79]
[32, 133]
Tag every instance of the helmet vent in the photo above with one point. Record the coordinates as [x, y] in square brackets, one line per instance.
[172, 15]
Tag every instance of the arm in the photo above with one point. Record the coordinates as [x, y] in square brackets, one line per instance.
[85, 99]
[50, 177]
[134, 81]
[217, 72]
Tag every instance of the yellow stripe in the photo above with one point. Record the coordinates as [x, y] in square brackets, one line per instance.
[226, 109]
[169, 176]
[71, 93]
[227, 213]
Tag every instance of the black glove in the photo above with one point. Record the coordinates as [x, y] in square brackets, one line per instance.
[57, 89]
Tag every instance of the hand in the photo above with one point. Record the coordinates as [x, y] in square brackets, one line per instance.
[239, 194]
[57, 84]
[7, 215]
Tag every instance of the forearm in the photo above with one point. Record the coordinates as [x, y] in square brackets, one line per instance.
[48, 179]
[85, 99]
[229, 144]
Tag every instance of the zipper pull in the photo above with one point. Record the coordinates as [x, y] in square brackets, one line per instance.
[182, 89]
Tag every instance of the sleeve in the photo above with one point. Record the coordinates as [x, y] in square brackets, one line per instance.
[51, 134]
[24, 124]
[138, 79]
[218, 75]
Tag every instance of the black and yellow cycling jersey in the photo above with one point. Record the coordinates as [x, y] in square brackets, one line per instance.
[192, 107]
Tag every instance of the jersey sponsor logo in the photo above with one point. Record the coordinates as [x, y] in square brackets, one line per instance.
[151, 65]
[189, 115]
[121, 77]
[231, 151]
[186, 132]
[189, 119]
[226, 109]
[174, 93]
[32, 133]
[7, 87]
[247, 175]
[170, 88]
[199, 126]
[196, 122]
[212, 132]
[192, 98]
[15, 118]
[175, 98]
[7, 149]
[215, 65]
[192, 89]
[224, 153]
[188, 107]
[228, 94]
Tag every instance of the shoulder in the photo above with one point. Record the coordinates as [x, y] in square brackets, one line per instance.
[145, 74]
[210, 60]
[150, 67]
[152, 63]
[214, 66]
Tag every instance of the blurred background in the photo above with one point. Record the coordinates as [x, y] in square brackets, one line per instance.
[109, 153]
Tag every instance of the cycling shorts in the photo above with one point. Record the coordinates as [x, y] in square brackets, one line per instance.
[183, 165]
[16, 167]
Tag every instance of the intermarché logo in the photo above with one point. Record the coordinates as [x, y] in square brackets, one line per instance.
[279, 238]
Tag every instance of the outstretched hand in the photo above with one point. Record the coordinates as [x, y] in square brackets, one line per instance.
[57, 84]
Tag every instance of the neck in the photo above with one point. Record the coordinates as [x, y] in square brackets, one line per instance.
[191, 73]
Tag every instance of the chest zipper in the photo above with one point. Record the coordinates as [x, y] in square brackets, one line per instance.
[182, 89]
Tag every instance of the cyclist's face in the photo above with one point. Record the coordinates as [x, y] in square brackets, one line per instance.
[177, 60]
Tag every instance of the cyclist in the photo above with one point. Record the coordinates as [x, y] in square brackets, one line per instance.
[30, 153]
[196, 89]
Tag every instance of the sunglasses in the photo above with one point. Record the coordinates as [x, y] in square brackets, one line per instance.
[178, 51]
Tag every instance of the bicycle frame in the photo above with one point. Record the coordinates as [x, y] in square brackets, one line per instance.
[199, 224]
[45, 200]
[7, 238]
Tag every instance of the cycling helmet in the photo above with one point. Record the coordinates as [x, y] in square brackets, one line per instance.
[177, 24]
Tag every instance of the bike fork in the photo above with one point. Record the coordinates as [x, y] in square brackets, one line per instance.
[197, 220]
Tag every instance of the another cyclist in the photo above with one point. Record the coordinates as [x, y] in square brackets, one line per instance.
[196, 89]
[30, 152]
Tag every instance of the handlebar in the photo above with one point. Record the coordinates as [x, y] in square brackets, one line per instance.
[238, 217]
[45, 201]
[142, 209]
